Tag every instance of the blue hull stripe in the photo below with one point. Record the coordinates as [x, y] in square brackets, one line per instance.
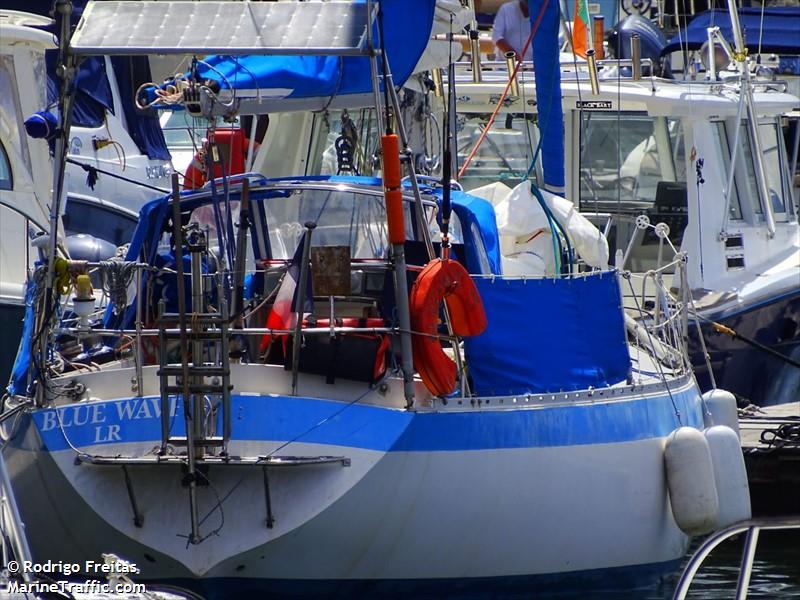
[618, 583]
[280, 418]
[739, 310]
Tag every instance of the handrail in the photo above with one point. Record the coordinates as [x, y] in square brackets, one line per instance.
[753, 527]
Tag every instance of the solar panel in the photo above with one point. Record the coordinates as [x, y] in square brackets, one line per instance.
[129, 27]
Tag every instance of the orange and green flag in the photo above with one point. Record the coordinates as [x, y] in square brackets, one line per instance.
[581, 31]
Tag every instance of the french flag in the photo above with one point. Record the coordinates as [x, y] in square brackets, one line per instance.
[284, 310]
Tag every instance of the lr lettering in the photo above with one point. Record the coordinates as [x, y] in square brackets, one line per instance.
[106, 433]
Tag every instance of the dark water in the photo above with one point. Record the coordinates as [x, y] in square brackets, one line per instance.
[776, 573]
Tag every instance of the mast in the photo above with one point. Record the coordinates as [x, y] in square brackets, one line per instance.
[66, 72]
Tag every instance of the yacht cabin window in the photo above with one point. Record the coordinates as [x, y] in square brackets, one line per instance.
[343, 218]
[624, 157]
[746, 173]
[774, 162]
[325, 159]
[10, 107]
[724, 158]
[98, 220]
[6, 179]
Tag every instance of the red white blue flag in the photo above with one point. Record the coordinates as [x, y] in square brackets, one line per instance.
[287, 304]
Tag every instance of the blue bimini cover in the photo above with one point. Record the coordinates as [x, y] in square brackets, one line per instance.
[407, 26]
[779, 34]
[549, 335]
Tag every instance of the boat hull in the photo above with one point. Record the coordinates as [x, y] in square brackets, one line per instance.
[749, 373]
[432, 503]
[11, 316]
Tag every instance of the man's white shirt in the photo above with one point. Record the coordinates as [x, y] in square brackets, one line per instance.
[512, 26]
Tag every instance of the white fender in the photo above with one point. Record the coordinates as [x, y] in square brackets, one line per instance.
[690, 480]
[730, 475]
[720, 406]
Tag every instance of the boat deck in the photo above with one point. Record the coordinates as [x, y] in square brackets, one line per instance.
[771, 446]
[768, 417]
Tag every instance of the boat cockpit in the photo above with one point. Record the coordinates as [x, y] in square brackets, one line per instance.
[349, 283]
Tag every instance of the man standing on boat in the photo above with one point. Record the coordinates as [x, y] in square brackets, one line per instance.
[512, 26]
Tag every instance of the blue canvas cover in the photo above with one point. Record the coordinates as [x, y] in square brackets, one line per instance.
[21, 372]
[143, 125]
[549, 335]
[407, 26]
[548, 91]
[477, 218]
[92, 90]
[780, 33]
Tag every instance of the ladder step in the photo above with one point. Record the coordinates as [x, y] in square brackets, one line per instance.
[180, 440]
[192, 371]
[170, 319]
[214, 335]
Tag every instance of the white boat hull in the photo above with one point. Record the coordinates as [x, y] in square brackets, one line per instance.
[411, 509]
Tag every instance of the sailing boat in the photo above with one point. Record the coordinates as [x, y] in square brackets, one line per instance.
[299, 421]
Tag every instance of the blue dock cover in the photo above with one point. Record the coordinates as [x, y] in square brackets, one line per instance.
[549, 335]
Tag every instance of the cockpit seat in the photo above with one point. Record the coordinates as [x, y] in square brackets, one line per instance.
[670, 207]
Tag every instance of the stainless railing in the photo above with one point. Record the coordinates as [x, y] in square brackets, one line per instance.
[752, 527]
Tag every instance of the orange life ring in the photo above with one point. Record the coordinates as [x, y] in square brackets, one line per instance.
[449, 281]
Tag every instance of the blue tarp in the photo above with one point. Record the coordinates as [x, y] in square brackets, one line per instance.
[92, 90]
[407, 27]
[548, 92]
[477, 217]
[20, 374]
[143, 125]
[549, 335]
[780, 33]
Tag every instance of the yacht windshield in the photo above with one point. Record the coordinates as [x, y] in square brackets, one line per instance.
[343, 218]
[504, 155]
[624, 157]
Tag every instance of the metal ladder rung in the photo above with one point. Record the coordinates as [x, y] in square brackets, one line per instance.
[200, 318]
[212, 441]
[192, 371]
[213, 335]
